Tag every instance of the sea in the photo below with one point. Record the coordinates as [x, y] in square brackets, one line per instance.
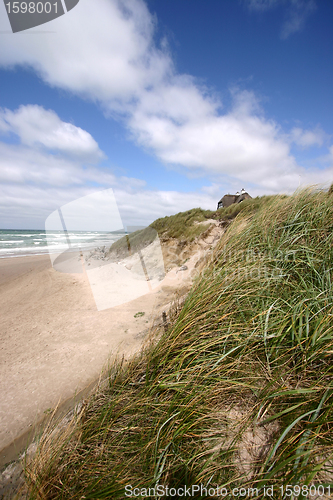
[24, 242]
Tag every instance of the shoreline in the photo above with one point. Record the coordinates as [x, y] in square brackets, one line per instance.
[46, 253]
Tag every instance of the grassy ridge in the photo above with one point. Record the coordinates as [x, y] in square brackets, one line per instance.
[131, 243]
[238, 392]
[183, 225]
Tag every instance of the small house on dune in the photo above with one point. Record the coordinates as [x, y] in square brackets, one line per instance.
[230, 199]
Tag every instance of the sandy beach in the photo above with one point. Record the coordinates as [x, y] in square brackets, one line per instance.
[54, 341]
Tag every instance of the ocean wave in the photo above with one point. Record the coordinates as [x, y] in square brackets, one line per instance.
[11, 241]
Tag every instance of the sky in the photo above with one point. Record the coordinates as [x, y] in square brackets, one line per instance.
[171, 103]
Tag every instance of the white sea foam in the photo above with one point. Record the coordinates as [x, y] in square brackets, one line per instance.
[20, 243]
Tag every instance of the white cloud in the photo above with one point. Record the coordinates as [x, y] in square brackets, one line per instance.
[237, 143]
[37, 126]
[308, 138]
[34, 181]
[24, 165]
[143, 207]
[30, 207]
[328, 159]
[297, 11]
[52, 158]
[105, 53]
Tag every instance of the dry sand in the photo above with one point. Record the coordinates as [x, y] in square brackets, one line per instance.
[53, 339]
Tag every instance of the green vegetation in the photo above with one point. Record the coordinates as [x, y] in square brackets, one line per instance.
[246, 207]
[239, 390]
[131, 243]
[182, 226]
[139, 314]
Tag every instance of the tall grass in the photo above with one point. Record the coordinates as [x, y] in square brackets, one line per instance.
[184, 227]
[238, 392]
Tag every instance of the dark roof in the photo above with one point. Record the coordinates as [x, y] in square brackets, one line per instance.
[230, 199]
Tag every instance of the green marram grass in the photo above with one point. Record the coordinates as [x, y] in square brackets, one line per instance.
[237, 393]
[182, 226]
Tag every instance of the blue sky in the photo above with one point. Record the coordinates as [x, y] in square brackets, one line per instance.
[172, 103]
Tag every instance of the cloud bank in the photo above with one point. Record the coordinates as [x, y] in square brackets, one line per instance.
[42, 167]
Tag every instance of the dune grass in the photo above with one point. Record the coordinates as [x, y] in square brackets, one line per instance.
[237, 393]
[184, 225]
[131, 243]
